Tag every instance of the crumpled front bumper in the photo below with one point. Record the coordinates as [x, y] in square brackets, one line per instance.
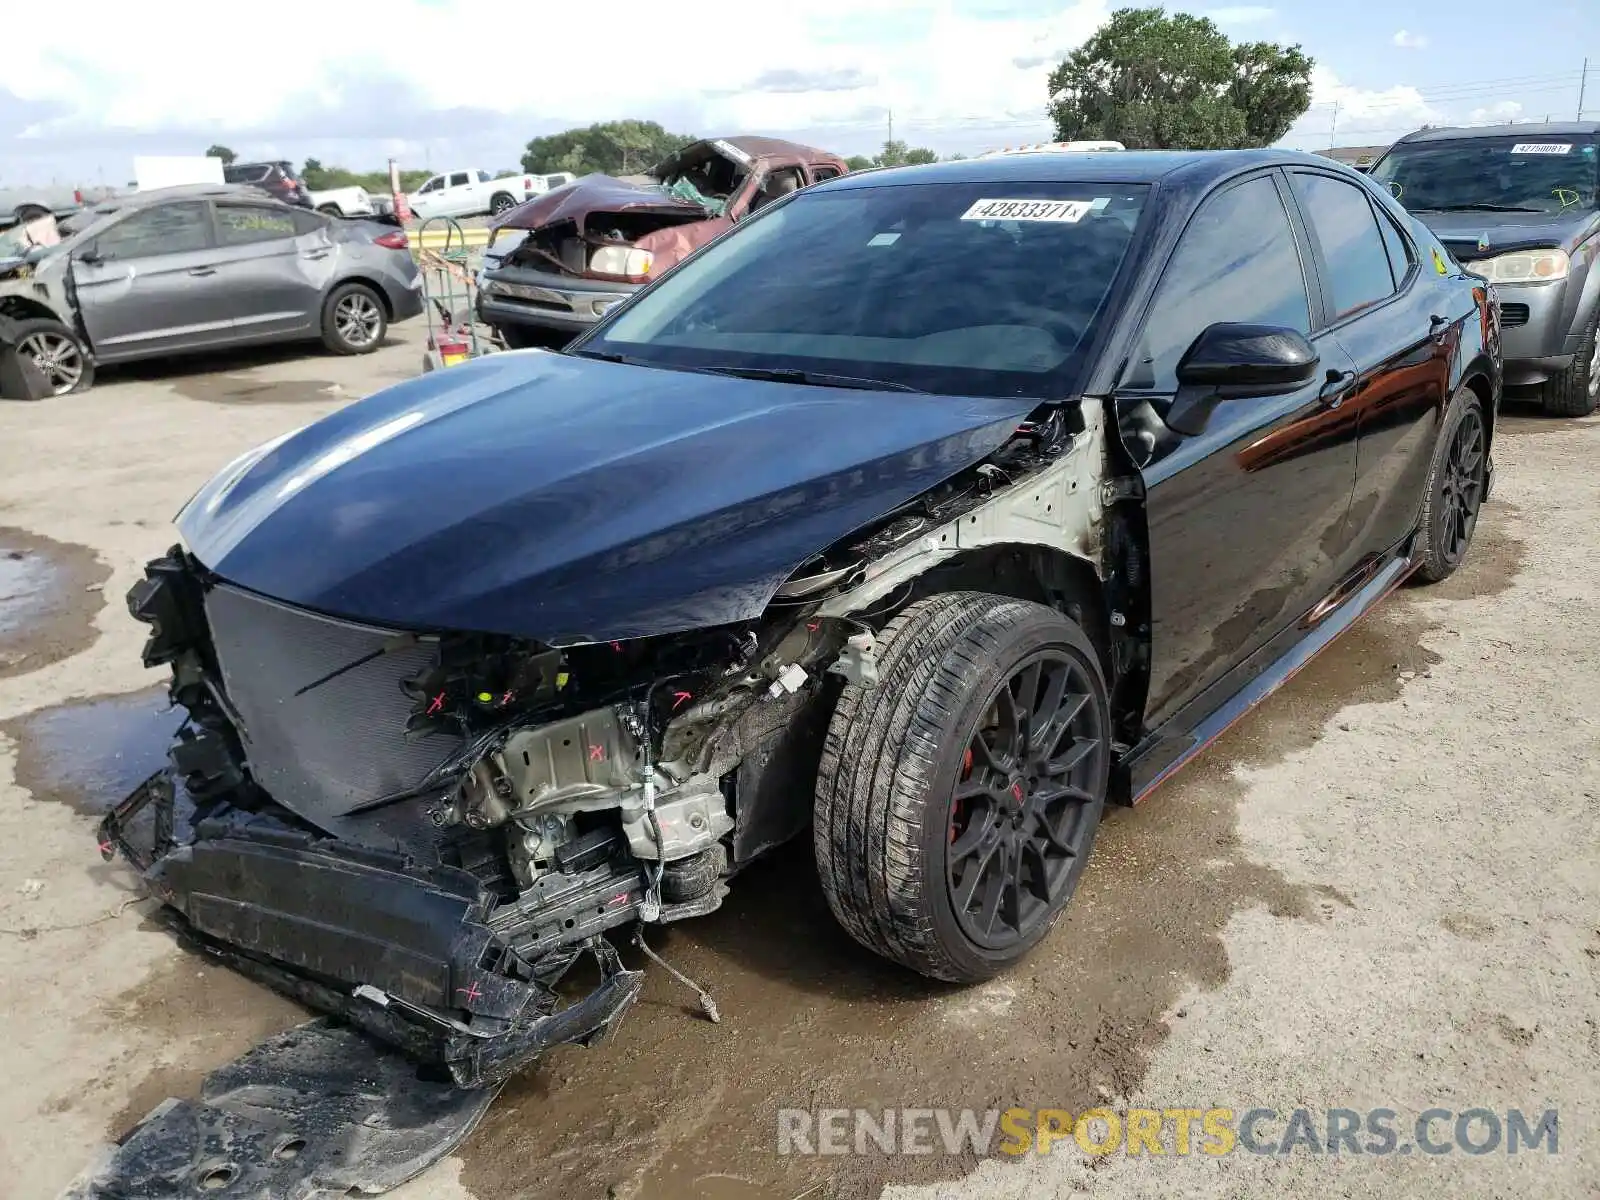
[398, 948]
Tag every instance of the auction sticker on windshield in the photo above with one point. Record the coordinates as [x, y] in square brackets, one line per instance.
[1542, 148]
[1028, 210]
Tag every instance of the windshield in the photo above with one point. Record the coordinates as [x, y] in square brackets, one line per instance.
[989, 289]
[1550, 175]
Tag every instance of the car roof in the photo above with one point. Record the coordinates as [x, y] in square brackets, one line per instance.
[1528, 129]
[1196, 168]
[189, 191]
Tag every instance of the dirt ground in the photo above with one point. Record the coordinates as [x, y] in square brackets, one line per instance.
[1382, 889]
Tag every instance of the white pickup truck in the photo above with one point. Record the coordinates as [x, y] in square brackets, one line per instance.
[476, 193]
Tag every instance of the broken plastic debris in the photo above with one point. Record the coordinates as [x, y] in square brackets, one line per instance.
[31, 888]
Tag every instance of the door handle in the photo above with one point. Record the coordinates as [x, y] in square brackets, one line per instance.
[1335, 387]
[315, 254]
[1438, 328]
[202, 270]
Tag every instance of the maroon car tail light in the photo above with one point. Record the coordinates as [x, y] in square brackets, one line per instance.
[395, 240]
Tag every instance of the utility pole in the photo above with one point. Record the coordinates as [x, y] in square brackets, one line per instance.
[1583, 82]
[891, 124]
[1333, 126]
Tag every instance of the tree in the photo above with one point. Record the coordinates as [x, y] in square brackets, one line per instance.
[898, 154]
[314, 174]
[227, 156]
[610, 147]
[1149, 80]
[859, 162]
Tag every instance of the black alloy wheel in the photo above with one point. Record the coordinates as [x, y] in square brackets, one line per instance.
[1019, 816]
[958, 797]
[1456, 485]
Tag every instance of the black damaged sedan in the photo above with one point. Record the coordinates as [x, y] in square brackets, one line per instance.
[931, 511]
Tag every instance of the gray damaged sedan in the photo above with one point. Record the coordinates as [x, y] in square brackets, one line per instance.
[200, 268]
[1519, 206]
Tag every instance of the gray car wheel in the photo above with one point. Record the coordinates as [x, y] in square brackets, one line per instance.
[353, 320]
[57, 354]
[502, 203]
[1576, 391]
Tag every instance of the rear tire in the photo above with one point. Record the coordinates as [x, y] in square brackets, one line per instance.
[924, 779]
[330, 210]
[1457, 481]
[353, 319]
[57, 352]
[1576, 391]
[501, 203]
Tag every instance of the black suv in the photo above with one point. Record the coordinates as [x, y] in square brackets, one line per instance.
[277, 179]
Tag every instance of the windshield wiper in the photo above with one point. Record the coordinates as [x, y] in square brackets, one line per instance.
[814, 378]
[1478, 208]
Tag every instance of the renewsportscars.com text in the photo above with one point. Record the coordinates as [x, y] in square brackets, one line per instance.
[1166, 1131]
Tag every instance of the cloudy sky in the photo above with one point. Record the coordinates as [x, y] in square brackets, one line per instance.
[466, 82]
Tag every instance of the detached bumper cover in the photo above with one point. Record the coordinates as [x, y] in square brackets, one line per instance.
[398, 948]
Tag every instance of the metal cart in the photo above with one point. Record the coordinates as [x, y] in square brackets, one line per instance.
[449, 294]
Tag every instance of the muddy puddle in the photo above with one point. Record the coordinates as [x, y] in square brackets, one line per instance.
[91, 754]
[50, 592]
[675, 1107]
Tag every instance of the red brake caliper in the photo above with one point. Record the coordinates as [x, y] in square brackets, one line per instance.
[955, 808]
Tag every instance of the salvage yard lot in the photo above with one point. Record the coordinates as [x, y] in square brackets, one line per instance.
[1379, 890]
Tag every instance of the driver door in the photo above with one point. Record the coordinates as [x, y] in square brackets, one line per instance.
[1247, 517]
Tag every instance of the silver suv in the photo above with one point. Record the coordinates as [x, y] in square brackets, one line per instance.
[1517, 205]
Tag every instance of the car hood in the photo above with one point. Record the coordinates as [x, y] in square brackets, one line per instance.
[571, 500]
[591, 194]
[1476, 234]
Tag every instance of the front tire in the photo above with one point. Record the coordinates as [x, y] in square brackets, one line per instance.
[353, 320]
[330, 210]
[57, 353]
[957, 800]
[1576, 391]
[1457, 481]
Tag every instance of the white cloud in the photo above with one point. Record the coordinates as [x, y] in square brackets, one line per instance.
[1495, 114]
[1240, 14]
[311, 73]
[1411, 41]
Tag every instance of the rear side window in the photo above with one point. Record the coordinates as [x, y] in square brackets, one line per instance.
[1237, 262]
[242, 224]
[1399, 252]
[821, 173]
[166, 229]
[459, 179]
[247, 173]
[1342, 220]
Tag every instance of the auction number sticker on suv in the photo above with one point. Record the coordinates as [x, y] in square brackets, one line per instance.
[1542, 148]
[1028, 210]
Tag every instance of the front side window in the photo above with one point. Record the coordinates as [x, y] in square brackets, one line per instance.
[1237, 262]
[242, 224]
[1531, 173]
[1345, 226]
[432, 185]
[991, 289]
[165, 229]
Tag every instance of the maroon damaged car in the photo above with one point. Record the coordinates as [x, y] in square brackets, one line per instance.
[557, 263]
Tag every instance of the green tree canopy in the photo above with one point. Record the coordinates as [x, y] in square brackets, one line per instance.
[227, 156]
[898, 154]
[859, 162]
[1149, 80]
[610, 147]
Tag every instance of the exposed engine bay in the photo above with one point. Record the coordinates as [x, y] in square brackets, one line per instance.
[423, 832]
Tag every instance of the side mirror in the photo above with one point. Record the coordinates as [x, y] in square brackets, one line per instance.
[1228, 362]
